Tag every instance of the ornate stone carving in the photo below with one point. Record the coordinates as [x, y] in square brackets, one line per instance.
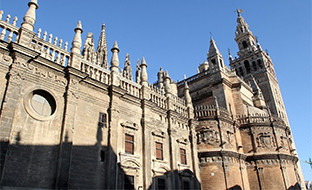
[265, 140]
[16, 76]
[130, 125]
[159, 133]
[284, 142]
[42, 73]
[127, 72]
[229, 137]
[182, 141]
[208, 136]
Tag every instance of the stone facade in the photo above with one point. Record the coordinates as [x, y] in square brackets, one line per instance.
[71, 121]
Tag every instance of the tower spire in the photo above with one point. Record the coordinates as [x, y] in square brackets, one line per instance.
[213, 49]
[101, 52]
[215, 59]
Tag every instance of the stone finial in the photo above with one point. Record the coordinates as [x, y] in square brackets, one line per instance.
[216, 102]
[160, 77]
[1, 13]
[76, 44]
[66, 46]
[127, 71]
[138, 72]
[55, 40]
[144, 72]
[88, 48]
[30, 16]
[14, 21]
[115, 59]
[101, 52]
[188, 100]
[8, 18]
[44, 37]
[50, 38]
[258, 44]
[39, 33]
[60, 43]
[167, 82]
[230, 56]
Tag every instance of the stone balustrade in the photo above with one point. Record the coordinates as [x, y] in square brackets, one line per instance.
[252, 119]
[9, 32]
[205, 111]
[96, 72]
[130, 86]
[158, 97]
[51, 49]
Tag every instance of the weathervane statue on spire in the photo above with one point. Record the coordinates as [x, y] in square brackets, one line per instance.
[239, 11]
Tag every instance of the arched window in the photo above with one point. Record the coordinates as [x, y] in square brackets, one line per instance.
[241, 73]
[254, 66]
[259, 63]
[245, 45]
[247, 66]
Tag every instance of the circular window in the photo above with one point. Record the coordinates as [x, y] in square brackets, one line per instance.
[40, 104]
[43, 103]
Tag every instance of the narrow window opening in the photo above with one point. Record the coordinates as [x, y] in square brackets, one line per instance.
[102, 155]
[159, 151]
[213, 61]
[254, 66]
[245, 45]
[102, 120]
[183, 156]
[129, 144]
[247, 66]
[241, 73]
[259, 63]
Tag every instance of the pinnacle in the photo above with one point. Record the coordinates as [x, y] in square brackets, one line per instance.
[115, 47]
[186, 85]
[79, 26]
[34, 2]
[213, 49]
[143, 61]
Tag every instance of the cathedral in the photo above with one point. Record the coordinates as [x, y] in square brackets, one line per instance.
[72, 119]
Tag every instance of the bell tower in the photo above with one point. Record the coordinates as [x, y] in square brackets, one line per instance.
[253, 62]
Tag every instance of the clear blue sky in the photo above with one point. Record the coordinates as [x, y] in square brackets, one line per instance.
[175, 35]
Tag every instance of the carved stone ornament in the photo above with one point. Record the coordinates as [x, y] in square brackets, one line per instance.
[284, 142]
[42, 73]
[265, 140]
[208, 136]
[182, 141]
[229, 136]
[159, 133]
[130, 125]
[16, 76]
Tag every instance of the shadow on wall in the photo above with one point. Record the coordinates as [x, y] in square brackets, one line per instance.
[294, 187]
[236, 187]
[183, 179]
[67, 166]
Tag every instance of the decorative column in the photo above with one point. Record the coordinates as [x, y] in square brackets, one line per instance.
[144, 73]
[115, 65]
